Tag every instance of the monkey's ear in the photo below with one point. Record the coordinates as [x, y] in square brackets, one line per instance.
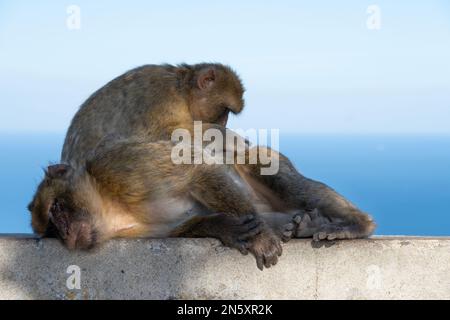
[57, 170]
[206, 78]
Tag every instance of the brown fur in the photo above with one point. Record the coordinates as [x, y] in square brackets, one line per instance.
[131, 188]
[119, 180]
[152, 101]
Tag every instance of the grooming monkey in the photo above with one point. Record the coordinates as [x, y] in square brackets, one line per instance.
[152, 101]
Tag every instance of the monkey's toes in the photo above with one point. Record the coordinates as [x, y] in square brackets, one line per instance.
[303, 226]
[330, 232]
[288, 232]
[312, 224]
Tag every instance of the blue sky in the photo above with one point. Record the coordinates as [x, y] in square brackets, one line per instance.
[309, 66]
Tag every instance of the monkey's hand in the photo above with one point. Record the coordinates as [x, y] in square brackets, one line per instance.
[249, 233]
[266, 247]
[236, 232]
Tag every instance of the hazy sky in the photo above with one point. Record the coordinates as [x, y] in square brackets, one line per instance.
[309, 66]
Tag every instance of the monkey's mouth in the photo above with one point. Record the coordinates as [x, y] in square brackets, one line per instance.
[223, 118]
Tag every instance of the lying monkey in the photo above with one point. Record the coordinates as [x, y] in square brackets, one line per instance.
[131, 188]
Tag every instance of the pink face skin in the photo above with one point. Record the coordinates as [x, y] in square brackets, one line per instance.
[74, 230]
[55, 215]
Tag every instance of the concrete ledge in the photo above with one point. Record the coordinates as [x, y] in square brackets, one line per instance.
[376, 268]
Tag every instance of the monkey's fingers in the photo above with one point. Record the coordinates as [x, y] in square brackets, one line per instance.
[273, 251]
[260, 258]
[271, 258]
[279, 249]
[260, 262]
[267, 259]
[270, 261]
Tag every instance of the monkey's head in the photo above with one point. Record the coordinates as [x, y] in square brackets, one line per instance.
[56, 211]
[215, 90]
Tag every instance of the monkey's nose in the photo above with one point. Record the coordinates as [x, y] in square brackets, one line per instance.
[80, 236]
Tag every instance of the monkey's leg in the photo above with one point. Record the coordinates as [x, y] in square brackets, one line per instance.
[328, 216]
[220, 189]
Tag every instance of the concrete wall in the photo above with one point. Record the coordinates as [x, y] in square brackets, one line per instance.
[377, 268]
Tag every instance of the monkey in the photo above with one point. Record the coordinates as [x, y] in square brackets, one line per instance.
[153, 100]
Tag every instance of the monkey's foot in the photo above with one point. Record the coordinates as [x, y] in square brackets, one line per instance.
[340, 231]
[266, 248]
[314, 225]
[288, 231]
[330, 232]
[303, 224]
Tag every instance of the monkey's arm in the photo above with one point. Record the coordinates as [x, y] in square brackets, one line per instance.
[234, 232]
[220, 189]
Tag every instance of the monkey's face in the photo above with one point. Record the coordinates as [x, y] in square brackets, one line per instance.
[217, 93]
[56, 214]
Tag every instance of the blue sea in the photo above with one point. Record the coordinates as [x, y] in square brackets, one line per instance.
[403, 181]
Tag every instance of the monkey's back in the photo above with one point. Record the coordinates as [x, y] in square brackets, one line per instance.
[126, 106]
